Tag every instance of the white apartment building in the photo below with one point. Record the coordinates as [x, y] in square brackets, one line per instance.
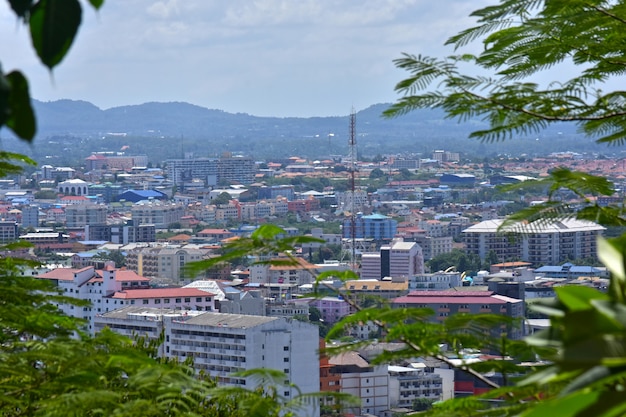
[408, 384]
[95, 286]
[368, 382]
[438, 281]
[221, 344]
[398, 260]
[539, 244]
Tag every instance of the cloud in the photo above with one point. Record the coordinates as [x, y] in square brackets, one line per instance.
[265, 57]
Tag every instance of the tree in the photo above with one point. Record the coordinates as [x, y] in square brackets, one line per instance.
[521, 39]
[376, 173]
[222, 198]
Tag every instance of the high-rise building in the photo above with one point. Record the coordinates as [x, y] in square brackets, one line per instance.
[537, 243]
[222, 344]
[397, 260]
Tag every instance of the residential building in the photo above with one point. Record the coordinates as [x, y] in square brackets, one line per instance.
[121, 234]
[181, 171]
[448, 303]
[408, 384]
[397, 260]
[161, 215]
[8, 231]
[163, 262]
[374, 226]
[363, 380]
[438, 281]
[176, 298]
[78, 216]
[95, 286]
[537, 243]
[221, 344]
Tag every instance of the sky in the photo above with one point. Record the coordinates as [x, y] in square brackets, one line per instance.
[283, 58]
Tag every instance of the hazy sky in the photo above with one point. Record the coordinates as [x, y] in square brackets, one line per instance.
[262, 57]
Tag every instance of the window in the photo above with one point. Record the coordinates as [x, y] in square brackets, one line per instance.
[187, 299]
[166, 301]
[145, 301]
[207, 299]
[198, 299]
[157, 301]
[178, 300]
[286, 348]
[285, 359]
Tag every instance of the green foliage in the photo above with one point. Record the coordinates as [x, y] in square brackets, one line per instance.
[584, 372]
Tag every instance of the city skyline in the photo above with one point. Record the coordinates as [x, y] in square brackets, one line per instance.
[266, 58]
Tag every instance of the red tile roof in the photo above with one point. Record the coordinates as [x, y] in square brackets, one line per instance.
[449, 297]
[162, 293]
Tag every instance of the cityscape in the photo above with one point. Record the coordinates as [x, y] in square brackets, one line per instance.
[418, 232]
[454, 245]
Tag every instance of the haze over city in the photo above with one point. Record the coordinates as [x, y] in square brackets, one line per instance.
[267, 58]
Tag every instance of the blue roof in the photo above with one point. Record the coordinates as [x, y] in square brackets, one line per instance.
[146, 193]
[376, 216]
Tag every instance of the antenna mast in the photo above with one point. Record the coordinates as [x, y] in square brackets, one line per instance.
[352, 145]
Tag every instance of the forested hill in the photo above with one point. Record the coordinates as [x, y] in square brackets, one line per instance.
[83, 127]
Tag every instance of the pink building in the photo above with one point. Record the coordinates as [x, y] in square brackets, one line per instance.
[176, 298]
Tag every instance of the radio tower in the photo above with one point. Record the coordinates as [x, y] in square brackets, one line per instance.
[352, 146]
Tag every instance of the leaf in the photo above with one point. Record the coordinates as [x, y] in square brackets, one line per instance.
[21, 116]
[53, 25]
[578, 298]
[21, 7]
[96, 3]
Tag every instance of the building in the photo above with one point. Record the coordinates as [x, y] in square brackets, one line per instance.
[121, 234]
[374, 226]
[8, 231]
[359, 378]
[163, 262]
[136, 196]
[221, 344]
[275, 191]
[181, 171]
[397, 260]
[73, 187]
[408, 384]
[95, 286]
[161, 215]
[176, 298]
[449, 303]
[438, 281]
[80, 215]
[537, 243]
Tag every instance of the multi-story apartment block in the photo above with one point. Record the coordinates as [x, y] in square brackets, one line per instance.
[181, 171]
[297, 274]
[368, 382]
[30, 216]
[225, 212]
[121, 234]
[438, 281]
[398, 260]
[447, 303]
[374, 226]
[8, 231]
[236, 169]
[434, 246]
[176, 298]
[539, 244]
[78, 216]
[163, 262]
[408, 384]
[221, 344]
[275, 191]
[95, 286]
[161, 215]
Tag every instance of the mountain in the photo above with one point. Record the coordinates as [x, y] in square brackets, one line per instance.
[166, 130]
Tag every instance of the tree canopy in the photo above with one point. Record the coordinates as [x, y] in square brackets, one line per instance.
[522, 40]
